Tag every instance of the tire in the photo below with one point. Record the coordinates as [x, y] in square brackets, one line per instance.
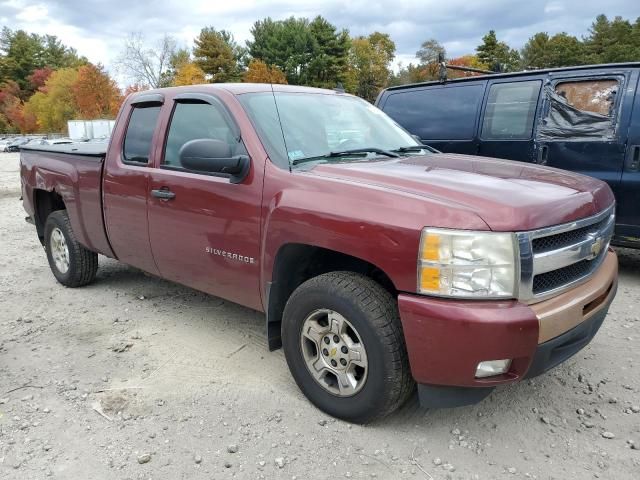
[372, 327]
[82, 264]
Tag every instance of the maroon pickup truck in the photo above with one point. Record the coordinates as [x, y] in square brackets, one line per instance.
[379, 262]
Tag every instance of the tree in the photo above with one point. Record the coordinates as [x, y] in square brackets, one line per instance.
[330, 50]
[429, 52]
[218, 55]
[498, 55]
[134, 88]
[55, 105]
[612, 41]
[542, 51]
[410, 74]
[39, 77]
[287, 44]
[147, 65]
[369, 61]
[471, 61]
[22, 53]
[260, 72]
[189, 73]
[95, 93]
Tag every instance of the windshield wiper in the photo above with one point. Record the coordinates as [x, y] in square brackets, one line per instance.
[415, 148]
[346, 153]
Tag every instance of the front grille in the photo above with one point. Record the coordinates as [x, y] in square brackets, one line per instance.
[556, 258]
[545, 282]
[564, 239]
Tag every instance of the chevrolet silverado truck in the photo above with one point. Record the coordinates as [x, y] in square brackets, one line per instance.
[380, 263]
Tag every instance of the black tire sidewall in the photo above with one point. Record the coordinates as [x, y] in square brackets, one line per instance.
[55, 221]
[371, 398]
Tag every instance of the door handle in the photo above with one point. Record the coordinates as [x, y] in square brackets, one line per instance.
[633, 158]
[543, 153]
[163, 194]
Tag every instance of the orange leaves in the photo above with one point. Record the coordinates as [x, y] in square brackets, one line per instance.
[95, 94]
[260, 72]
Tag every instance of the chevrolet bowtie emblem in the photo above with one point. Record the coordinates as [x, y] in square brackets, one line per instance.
[333, 351]
[596, 247]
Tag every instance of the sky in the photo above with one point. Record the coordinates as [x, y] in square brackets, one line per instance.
[97, 28]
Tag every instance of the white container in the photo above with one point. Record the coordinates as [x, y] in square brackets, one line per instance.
[102, 128]
[80, 129]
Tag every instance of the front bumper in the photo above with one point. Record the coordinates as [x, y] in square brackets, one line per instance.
[446, 339]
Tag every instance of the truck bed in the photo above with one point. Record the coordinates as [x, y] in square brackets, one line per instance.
[95, 150]
[73, 173]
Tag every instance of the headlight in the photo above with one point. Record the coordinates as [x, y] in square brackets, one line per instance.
[467, 264]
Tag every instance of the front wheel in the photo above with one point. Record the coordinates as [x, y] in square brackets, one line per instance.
[343, 342]
[71, 263]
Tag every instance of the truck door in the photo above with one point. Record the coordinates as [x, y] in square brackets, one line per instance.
[583, 124]
[125, 183]
[205, 230]
[628, 228]
[507, 124]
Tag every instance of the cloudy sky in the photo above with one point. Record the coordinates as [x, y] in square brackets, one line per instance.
[96, 27]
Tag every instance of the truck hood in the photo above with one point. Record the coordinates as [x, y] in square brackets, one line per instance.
[507, 195]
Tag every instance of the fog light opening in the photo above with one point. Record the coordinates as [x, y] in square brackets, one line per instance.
[491, 368]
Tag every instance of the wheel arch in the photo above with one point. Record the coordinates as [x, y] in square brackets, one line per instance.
[45, 202]
[295, 263]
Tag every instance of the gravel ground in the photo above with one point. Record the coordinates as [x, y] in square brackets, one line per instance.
[134, 377]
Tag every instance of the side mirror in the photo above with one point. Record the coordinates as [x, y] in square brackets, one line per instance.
[213, 156]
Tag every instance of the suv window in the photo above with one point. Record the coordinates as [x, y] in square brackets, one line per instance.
[137, 140]
[510, 111]
[195, 120]
[439, 113]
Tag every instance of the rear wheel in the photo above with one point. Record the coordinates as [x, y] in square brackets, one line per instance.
[343, 342]
[71, 263]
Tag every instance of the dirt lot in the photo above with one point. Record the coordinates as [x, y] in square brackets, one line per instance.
[134, 377]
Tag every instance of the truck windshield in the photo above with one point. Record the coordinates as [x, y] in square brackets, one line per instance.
[295, 127]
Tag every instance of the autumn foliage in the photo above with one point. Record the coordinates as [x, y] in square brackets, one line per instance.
[95, 94]
[260, 72]
[189, 74]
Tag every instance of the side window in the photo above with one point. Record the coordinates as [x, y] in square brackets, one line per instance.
[439, 113]
[595, 96]
[580, 109]
[510, 110]
[137, 139]
[195, 120]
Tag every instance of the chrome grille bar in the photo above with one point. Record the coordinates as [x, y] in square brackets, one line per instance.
[582, 246]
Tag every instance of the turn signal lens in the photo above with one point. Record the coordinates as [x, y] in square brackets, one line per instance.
[431, 248]
[430, 279]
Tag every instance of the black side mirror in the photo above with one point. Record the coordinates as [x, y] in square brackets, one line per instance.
[213, 156]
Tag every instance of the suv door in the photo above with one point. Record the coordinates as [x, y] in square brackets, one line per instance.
[583, 124]
[507, 123]
[204, 229]
[443, 116]
[125, 184]
[628, 228]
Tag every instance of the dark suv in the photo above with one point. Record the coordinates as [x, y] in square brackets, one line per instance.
[585, 119]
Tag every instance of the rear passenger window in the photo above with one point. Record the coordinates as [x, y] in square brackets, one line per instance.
[440, 113]
[137, 140]
[510, 111]
[580, 109]
[191, 121]
[595, 96]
